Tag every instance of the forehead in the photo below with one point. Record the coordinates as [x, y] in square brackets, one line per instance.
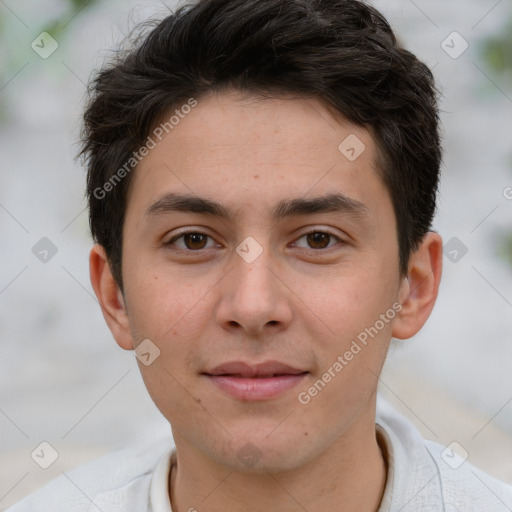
[254, 151]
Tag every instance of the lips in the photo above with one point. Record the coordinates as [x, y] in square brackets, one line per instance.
[262, 370]
[252, 382]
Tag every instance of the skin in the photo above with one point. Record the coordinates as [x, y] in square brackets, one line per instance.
[300, 302]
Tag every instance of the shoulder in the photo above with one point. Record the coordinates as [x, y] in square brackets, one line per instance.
[465, 485]
[110, 483]
[429, 476]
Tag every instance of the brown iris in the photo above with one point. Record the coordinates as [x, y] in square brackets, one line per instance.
[318, 240]
[194, 240]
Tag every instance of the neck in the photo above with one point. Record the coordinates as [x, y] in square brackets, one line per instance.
[349, 475]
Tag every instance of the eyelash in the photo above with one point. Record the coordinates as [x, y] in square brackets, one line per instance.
[184, 233]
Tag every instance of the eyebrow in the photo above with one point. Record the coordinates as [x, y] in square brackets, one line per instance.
[287, 208]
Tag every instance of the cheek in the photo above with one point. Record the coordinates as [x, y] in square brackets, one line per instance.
[350, 361]
[169, 389]
[162, 304]
[350, 327]
[174, 327]
[345, 302]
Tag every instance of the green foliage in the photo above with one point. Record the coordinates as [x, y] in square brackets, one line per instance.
[57, 27]
[497, 50]
[15, 49]
[505, 247]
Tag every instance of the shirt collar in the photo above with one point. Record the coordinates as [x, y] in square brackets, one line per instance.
[387, 449]
[159, 491]
[413, 481]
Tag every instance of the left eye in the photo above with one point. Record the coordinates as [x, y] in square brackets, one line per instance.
[319, 239]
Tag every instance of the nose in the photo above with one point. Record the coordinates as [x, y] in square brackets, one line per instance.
[254, 298]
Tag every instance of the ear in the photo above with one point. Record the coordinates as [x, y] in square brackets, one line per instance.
[110, 297]
[419, 289]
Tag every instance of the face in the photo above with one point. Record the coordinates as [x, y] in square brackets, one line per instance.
[272, 292]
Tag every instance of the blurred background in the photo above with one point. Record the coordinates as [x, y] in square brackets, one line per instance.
[63, 379]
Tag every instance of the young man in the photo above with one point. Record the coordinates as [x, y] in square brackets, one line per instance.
[262, 180]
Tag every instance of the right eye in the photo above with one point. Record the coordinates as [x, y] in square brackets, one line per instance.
[191, 241]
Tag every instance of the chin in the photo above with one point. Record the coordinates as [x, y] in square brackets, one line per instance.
[264, 454]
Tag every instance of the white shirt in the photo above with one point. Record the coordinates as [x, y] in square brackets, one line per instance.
[423, 476]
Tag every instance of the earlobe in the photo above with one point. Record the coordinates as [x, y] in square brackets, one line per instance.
[110, 297]
[418, 291]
